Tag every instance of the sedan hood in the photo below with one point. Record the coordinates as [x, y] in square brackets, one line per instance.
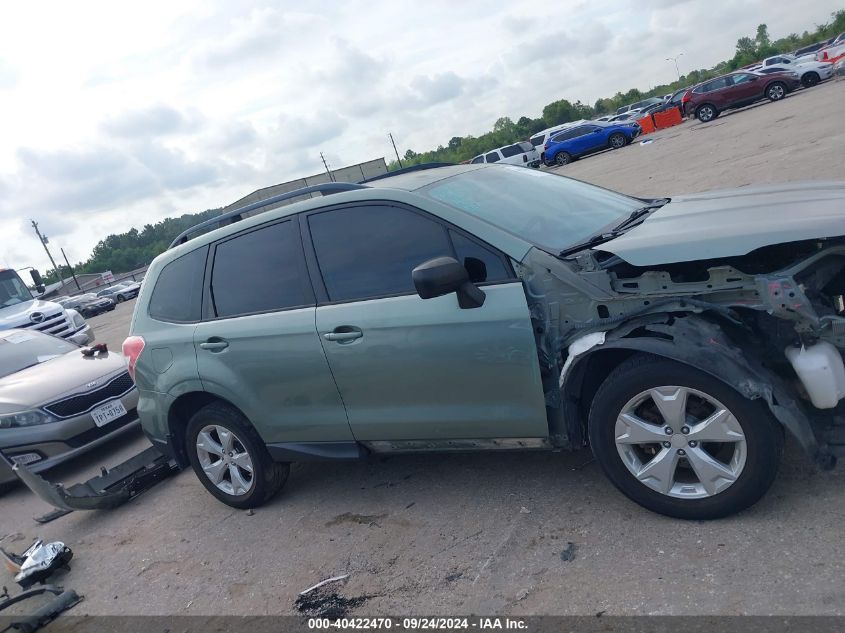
[733, 222]
[61, 376]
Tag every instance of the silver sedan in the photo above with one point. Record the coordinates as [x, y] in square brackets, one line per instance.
[55, 402]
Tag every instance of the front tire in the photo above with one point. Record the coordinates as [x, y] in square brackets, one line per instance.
[776, 91]
[680, 442]
[121, 298]
[616, 140]
[230, 459]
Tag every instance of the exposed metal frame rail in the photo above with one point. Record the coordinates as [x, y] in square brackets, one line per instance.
[234, 215]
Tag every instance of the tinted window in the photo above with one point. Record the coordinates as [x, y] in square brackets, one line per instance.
[512, 150]
[536, 141]
[177, 295]
[466, 249]
[581, 131]
[526, 146]
[477, 159]
[716, 84]
[564, 136]
[370, 251]
[741, 79]
[492, 157]
[259, 271]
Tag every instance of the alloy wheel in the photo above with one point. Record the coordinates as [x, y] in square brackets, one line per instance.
[705, 113]
[225, 460]
[776, 92]
[617, 141]
[681, 442]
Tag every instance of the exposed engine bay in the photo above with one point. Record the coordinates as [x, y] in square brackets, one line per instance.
[778, 312]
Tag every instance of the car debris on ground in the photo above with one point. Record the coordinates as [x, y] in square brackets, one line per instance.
[320, 601]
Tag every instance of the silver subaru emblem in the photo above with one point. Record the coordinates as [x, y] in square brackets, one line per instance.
[93, 383]
[37, 317]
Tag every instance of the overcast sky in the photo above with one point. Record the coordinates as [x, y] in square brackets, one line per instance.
[116, 114]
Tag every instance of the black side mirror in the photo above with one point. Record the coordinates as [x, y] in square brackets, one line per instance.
[37, 280]
[444, 275]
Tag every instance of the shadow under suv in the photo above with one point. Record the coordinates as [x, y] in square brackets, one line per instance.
[486, 307]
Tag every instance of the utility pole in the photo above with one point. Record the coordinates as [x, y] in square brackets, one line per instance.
[326, 165]
[70, 268]
[44, 241]
[398, 160]
[675, 59]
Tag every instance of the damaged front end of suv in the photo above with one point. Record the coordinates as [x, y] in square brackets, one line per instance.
[711, 281]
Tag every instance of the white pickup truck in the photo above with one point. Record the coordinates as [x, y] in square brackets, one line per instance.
[19, 309]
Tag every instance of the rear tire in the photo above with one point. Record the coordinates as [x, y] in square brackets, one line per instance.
[244, 446]
[121, 298]
[563, 158]
[706, 113]
[776, 91]
[810, 79]
[748, 458]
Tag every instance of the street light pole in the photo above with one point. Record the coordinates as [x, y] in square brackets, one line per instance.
[675, 59]
[398, 160]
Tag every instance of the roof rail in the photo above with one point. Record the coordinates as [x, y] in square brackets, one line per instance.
[408, 170]
[235, 214]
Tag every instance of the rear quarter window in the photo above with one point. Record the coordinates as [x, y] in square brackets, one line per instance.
[177, 294]
[511, 150]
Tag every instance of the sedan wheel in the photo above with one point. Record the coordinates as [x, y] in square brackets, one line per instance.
[705, 113]
[776, 92]
[617, 140]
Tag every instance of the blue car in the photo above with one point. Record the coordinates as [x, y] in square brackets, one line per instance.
[570, 144]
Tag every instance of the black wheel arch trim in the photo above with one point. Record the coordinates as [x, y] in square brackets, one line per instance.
[701, 343]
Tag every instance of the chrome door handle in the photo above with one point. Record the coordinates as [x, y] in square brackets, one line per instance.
[214, 345]
[343, 337]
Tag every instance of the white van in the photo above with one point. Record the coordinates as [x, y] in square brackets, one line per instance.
[522, 153]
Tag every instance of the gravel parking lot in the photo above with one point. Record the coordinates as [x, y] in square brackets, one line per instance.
[485, 533]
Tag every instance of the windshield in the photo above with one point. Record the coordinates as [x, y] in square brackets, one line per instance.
[12, 289]
[548, 210]
[20, 349]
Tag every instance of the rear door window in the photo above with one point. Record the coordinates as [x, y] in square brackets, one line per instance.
[260, 271]
[177, 294]
[492, 157]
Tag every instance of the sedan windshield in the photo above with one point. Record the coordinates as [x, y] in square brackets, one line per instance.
[20, 349]
[12, 289]
[547, 210]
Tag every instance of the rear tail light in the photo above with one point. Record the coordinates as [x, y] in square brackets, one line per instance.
[132, 348]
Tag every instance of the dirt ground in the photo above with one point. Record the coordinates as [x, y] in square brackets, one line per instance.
[485, 533]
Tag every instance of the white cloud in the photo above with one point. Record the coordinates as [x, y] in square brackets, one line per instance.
[117, 115]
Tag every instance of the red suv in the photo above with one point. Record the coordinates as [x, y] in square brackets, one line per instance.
[708, 99]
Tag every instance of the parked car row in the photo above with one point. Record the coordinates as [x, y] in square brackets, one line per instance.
[88, 304]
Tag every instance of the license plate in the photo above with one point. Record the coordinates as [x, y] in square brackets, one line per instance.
[108, 412]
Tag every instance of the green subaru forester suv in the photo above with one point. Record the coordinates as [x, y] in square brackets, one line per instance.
[486, 307]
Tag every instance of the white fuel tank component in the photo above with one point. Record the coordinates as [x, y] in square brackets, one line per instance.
[821, 371]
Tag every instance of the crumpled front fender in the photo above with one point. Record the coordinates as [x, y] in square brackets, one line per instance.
[703, 344]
